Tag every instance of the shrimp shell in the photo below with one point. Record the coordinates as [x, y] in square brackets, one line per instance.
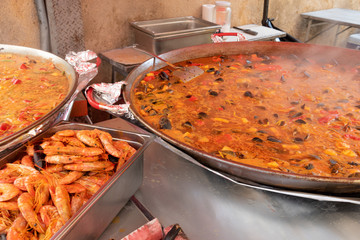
[66, 133]
[75, 188]
[48, 213]
[89, 151]
[26, 203]
[27, 160]
[20, 183]
[91, 187]
[72, 141]
[66, 159]
[54, 168]
[8, 191]
[61, 200]
[18, 229]
[90, 166]
[22, 169]
[77, 201]
[106, 140]
[10, 205]
[71, 177]
[89, 138]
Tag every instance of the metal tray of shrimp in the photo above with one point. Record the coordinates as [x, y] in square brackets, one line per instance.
[92, 218]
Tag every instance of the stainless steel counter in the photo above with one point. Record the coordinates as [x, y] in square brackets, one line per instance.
[209, 206]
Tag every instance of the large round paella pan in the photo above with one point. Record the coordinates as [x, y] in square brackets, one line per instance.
[281, 114]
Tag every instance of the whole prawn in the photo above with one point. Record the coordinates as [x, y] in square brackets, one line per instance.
[25, 204]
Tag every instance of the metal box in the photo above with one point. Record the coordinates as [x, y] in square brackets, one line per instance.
[160, 36]
[98, 212]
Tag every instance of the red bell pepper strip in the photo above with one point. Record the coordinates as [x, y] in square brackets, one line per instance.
[149, 78]
[193, 98]
[15, 81]
[23, 66]
[328, 118]
[4, 126]
[351, 137]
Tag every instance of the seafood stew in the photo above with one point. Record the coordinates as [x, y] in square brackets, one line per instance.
[30, 87]
[51, 178]
[280, 112]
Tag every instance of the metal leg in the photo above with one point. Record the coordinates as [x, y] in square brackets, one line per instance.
[336, 34]
[113, 74]
[308, 30]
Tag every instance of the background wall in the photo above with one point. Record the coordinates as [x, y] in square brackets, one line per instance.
[106, 22]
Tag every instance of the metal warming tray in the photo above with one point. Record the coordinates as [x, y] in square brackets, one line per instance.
[97, 213]
[163, 35]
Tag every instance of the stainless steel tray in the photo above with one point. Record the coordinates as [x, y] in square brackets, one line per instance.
[163, 35]
[95, 215]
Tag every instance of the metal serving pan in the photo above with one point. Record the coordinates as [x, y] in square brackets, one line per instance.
[163, 35]
[97, 213]
[244, 171]
[8, 142]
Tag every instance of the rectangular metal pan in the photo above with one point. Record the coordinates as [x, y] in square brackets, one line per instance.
[95, 215]
[163, 35]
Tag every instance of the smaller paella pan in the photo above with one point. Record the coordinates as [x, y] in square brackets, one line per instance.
[35, 89]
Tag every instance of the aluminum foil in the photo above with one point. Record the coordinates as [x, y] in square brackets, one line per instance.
[105, 95]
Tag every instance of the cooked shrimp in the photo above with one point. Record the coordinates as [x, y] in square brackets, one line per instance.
[49, 143]
[91, 187]
[10, 205]
[72, 141]
[54, 168]
[20, 183]
[90, 166]
[61, 200]
[89, 138]
[75, 188]
[8, 191]
[22, 169]
[66, 159]
[48, 213]
[30, 150]
[32, 182]
[26, 203]
[89, 151]
[66, 133]
[18, 230]
[99, 178]
[71, 177]
[8, 175]
[107, 142]
[41, 196]
[77, 201]
[50, 216]
[27, 160]
[5, 223]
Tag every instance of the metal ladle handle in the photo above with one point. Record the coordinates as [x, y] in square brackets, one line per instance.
[155, 56]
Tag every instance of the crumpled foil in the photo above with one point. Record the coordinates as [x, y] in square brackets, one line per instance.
[86, 70]
[110, 93]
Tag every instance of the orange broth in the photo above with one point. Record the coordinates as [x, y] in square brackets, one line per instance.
[30, 87]
[284, 113]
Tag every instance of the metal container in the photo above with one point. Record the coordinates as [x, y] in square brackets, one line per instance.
[97, 213]
[159, 36]
[12, 141]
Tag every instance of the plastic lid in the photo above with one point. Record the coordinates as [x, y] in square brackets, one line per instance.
[223, 3]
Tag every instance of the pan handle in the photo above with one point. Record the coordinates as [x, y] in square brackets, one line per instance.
[218, 37]
[118, 110]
